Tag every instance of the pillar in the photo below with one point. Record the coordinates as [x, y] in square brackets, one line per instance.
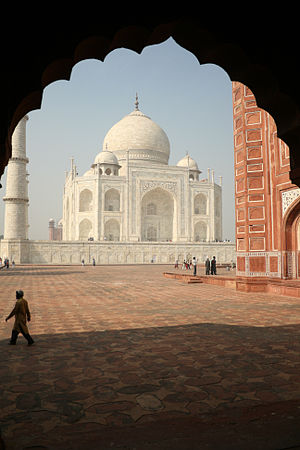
[16, 198]
[51, 230]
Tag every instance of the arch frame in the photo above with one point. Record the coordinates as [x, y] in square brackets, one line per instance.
[106, 199]
[82, 193]
[206, 198]
[171, 195]
[289, 241]
[83, 221]
[108, 221]
[247, 60]
[200, 222]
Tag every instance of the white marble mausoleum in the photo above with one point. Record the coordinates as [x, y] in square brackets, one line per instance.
[130, 206]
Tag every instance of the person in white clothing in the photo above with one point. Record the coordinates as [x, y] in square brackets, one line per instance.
[194, 263]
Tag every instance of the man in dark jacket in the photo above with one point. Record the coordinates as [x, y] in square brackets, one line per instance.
[213, 266]
[21, 313]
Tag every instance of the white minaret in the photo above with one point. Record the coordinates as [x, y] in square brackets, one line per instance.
[16, 198]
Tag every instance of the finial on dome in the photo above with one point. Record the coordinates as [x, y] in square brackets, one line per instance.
[136, 102]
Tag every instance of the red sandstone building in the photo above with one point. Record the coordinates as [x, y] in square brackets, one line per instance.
[55, 233]
[267, 203]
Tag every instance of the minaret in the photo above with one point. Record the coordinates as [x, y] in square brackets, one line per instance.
[16, 199]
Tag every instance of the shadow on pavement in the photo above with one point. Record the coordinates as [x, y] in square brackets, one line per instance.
[200, 386]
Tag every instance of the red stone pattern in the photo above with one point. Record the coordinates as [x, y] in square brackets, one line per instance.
[266, 234]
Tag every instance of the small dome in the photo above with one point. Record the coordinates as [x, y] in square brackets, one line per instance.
[189, 163]
[88, 173]
[106, 157]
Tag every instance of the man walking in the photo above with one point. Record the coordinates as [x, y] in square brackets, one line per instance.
[21, 313]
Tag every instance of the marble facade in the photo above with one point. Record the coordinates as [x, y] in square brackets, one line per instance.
[130, 207]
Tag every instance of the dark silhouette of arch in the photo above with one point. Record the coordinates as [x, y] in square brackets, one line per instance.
[39, 51]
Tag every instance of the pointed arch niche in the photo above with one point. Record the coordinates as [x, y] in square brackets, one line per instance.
[200, 204]
[112, 230]
[157, 216]
[85, 200]
[85, 229]
[112, 200]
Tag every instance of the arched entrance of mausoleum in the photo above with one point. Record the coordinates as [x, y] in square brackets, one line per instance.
[157, 216]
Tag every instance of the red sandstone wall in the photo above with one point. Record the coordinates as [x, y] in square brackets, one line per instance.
[261, 166]
[55, 234]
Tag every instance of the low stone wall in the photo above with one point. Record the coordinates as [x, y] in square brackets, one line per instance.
[73, 252]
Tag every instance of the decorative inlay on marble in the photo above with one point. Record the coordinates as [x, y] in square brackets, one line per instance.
[148, 185]
[288, 197]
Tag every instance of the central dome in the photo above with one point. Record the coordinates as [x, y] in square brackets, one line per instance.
[143, 138]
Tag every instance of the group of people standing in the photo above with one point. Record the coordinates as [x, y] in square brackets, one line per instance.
[187, 265]
[6, 263]
[211, 266]
[93, 262]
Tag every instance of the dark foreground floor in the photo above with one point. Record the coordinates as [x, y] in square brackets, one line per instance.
[127, 359]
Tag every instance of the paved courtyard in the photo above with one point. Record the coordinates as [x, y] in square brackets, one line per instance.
[127, 359]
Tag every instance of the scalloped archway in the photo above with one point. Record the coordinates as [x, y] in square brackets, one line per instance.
[246, 59]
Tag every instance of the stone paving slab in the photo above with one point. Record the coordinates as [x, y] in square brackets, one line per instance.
[125, 358]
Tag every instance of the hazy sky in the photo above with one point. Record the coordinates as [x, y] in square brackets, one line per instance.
[191, 102]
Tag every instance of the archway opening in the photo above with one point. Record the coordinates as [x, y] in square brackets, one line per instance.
[157, 216]
[200, 204]
[85, 229]
[85, 200]
[112, 200]
[200, 232]
[112, 230]
[291, 241]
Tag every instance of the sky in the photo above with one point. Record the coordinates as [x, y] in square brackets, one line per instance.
[191, 102]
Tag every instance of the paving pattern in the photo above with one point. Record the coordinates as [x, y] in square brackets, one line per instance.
[127, 359]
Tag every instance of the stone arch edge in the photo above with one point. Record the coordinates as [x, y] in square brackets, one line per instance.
[203, 43]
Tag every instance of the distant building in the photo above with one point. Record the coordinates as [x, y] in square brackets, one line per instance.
[55, 233]
[132, 194]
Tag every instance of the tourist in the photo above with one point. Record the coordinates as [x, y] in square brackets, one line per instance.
[213, 266]
[183, 265]
[21, 313]
[82, 262]
[13, 264]
[207, 266]
[94, 262]
[176, 264]
[194, 263]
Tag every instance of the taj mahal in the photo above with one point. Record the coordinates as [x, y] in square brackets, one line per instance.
[130, 206]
